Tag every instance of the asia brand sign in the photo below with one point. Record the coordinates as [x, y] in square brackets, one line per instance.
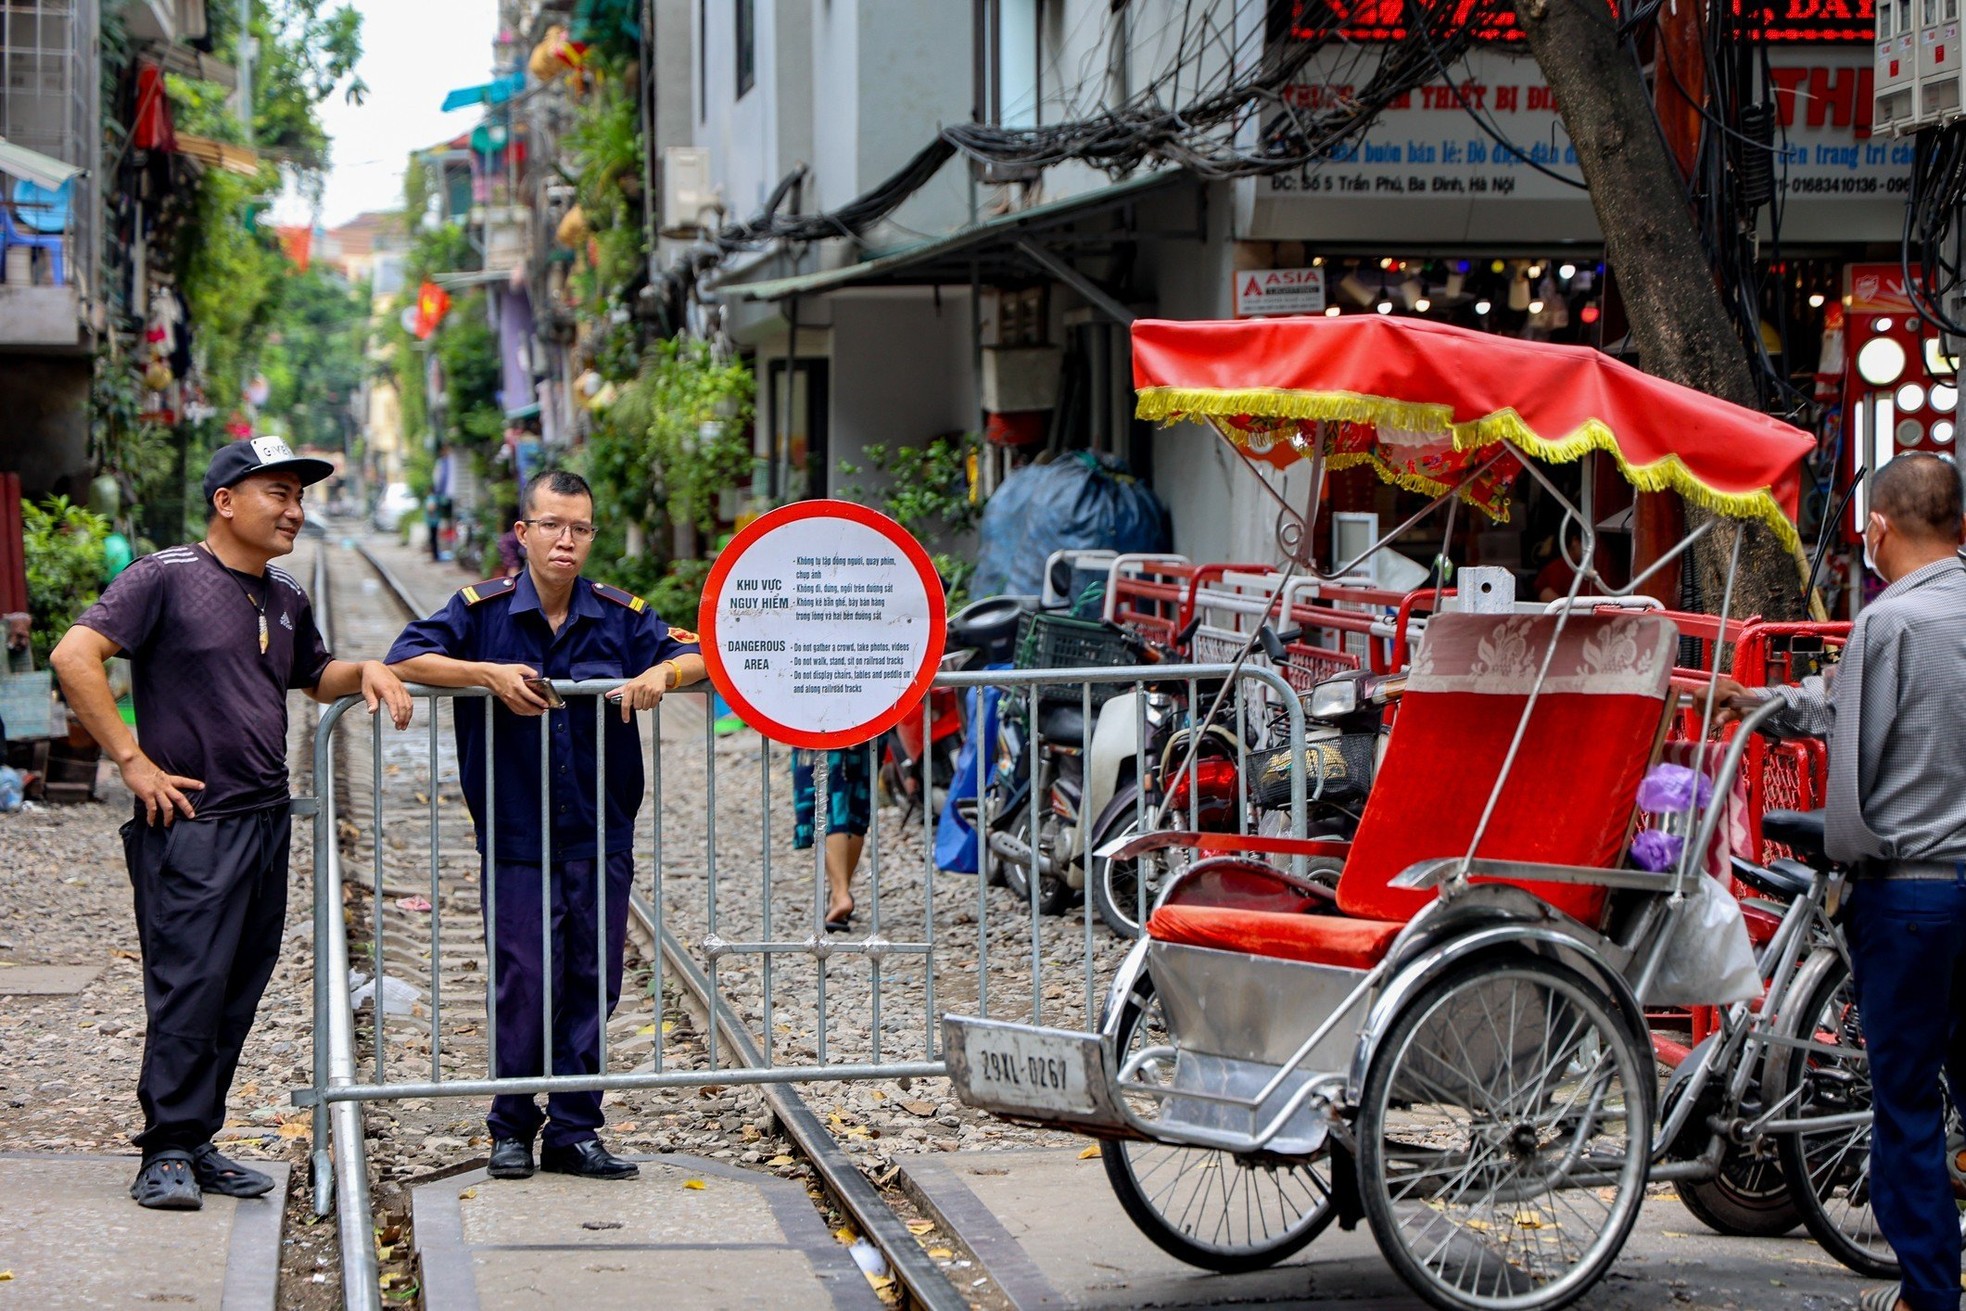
[1428, 145]
[1279, 291]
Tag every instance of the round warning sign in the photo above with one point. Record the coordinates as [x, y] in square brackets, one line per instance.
[823, 624]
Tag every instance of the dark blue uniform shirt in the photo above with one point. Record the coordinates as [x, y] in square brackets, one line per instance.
[607, 634]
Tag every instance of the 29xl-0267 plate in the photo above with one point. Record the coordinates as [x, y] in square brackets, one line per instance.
[1053, 1076]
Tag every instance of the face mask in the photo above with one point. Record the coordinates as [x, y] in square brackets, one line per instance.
[1870, 560]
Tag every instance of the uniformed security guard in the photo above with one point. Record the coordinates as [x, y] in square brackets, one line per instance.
[505, 635]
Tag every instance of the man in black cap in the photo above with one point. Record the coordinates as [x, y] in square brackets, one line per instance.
[216, 639]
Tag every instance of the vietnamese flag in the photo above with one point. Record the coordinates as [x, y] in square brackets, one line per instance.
[432, 303]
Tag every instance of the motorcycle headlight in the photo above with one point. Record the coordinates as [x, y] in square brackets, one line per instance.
[1332, 699]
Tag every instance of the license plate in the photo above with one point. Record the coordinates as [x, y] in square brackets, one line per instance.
[1022, 1069]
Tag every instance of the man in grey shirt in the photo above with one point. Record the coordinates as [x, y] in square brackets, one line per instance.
[1894, 713]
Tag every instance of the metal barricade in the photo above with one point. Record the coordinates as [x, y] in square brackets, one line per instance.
[932, 944]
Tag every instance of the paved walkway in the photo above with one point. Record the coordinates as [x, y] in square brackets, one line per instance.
[1012, 1209]
[687, 1233]
[71, 1237]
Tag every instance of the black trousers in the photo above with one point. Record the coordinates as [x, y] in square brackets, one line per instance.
[211, 900]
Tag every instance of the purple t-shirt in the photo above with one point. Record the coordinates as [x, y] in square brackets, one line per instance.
[209, 705]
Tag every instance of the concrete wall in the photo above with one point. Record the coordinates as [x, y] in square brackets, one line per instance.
[46, 441]
[900, 373]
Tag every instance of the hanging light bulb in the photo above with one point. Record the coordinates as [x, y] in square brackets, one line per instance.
[1536, 306]
[1816, 301]
[1496, 266]
[1386, 263]
[1588, 314]
[1422, 305]
[1566, 271]
[1482, 307]
[1535, 272]
[1384, 307]
[1330, 311]
[1317, 261]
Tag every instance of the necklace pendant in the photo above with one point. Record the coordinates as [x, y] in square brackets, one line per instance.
[262, 633]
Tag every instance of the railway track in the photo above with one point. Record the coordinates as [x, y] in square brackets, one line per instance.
[424, 929]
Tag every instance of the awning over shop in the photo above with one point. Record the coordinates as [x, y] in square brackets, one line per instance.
[242, 160]
[495, 92]
[946, 260]
[33, 166]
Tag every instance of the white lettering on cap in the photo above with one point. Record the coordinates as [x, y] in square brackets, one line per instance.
[271, 450]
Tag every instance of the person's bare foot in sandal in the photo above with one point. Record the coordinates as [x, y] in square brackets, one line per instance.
[166, 1182]
[842, 854]
[1882, 1299]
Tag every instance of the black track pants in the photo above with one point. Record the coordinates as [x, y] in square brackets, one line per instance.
[211, 899]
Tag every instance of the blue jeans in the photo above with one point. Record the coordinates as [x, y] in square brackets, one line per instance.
[1908, 948]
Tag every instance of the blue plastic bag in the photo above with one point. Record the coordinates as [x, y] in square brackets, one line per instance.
[955, 840]
[1081, 502]
[12, 790]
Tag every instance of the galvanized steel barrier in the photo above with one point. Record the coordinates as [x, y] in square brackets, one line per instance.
[722, 939]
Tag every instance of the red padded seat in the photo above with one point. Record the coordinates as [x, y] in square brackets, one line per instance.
[1317, 939]
[1567, 801]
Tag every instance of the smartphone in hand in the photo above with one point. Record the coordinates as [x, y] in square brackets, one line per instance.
[546, 692]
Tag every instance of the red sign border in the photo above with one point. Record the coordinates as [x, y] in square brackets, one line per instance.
[706, 622]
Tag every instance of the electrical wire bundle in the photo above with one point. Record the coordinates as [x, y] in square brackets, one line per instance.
[1938, 189]
[1207, 132]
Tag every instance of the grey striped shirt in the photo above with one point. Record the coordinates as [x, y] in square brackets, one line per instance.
[1911, 777]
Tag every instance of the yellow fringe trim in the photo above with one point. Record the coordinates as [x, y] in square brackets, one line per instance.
[1168, 404]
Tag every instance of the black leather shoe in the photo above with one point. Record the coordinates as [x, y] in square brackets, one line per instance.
[510, 1159]
[588, 1159]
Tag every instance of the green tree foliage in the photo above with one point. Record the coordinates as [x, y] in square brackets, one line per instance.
[313, 356]
[467, 350]
[64, 567]
[929, 492]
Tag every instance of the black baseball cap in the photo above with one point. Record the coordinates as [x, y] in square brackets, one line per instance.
[235, 462]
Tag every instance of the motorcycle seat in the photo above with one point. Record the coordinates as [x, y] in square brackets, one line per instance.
[990, 626]
[1062, 724]
[1801, 831]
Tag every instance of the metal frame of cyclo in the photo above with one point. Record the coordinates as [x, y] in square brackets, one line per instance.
[339, 1073]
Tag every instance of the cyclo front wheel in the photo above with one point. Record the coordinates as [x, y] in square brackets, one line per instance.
[1211, 1209]
[1829, 1168]
[1503, 1134]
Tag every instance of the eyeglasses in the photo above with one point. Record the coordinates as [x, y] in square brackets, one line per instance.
[582, 532]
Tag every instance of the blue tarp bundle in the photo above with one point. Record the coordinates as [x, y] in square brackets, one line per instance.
[1081, 502]
[955, 840]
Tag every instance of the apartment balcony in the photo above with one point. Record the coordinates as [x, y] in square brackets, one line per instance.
[50, 142]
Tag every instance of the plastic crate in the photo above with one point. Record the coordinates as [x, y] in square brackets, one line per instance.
[1049, 641]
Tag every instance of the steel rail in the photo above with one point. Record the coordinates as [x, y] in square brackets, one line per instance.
[916, 1271]
[340, 1178]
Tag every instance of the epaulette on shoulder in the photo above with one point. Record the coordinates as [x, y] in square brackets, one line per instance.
[619, 597]
[488, 589]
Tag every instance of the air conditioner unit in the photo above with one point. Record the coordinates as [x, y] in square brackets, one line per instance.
[689, 197]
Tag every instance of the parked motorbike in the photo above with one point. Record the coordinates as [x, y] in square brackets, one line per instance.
[1344, 740]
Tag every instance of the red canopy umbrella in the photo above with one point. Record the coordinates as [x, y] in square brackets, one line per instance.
[1424, 404]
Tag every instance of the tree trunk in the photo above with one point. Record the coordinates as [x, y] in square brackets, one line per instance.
[1678, 321]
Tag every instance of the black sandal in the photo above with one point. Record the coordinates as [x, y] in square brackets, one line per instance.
[165, 1182]
[227, 1178]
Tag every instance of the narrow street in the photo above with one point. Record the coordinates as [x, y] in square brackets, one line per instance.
[1305, 572]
